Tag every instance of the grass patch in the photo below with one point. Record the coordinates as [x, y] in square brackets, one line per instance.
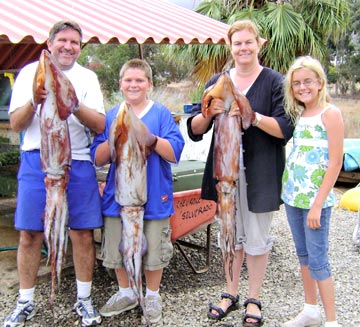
[173, 96]
[350, 109]
[5, 140]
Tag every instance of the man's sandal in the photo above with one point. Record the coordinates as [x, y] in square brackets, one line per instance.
[258, 319]
[220, 312]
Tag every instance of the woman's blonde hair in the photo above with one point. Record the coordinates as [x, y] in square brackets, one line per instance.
[245, 24]
[293, 107]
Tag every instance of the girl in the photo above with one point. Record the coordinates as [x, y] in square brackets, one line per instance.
[311, 171]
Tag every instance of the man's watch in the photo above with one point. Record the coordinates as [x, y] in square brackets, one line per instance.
[257, 119]
[76, 108]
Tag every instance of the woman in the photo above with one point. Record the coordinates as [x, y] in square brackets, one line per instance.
[263, 156]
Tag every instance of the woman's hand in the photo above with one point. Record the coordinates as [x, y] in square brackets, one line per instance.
[216, 107]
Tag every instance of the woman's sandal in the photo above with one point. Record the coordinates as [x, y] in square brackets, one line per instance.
[221, 313]
[258, 319]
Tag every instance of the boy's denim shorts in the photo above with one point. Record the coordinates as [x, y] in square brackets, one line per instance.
[312, 245]
[159, 247]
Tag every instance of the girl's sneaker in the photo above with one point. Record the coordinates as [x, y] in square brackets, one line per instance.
[304, 320]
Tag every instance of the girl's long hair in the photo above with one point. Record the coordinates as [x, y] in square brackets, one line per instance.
[293, 107]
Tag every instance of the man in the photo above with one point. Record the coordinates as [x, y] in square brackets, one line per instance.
[64, 43]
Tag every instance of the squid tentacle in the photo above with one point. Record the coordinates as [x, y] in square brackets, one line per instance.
[130, 145]
[227, 146]
[55, 154]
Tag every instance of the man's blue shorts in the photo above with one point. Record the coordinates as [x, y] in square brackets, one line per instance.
[82, 192]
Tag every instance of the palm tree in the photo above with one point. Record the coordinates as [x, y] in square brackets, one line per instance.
[291, 27]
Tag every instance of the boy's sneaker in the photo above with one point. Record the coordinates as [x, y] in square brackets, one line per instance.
[85, 309]
[304, 320]
[153, 309]
[24, 311]
[118, 304]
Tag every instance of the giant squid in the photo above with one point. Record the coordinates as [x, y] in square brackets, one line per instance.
[55, 153]
[130, 145]
[227, 145]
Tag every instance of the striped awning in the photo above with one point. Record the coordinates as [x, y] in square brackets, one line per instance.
[25, 24]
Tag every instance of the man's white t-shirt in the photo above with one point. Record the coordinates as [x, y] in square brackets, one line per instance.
[88, 91]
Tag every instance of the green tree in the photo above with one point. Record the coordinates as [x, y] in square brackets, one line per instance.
[346, 55]
[106, 60]
[291, 27]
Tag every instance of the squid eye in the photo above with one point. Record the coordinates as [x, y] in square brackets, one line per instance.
[209, 103]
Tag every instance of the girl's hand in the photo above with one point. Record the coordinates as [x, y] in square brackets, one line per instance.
[313, 218]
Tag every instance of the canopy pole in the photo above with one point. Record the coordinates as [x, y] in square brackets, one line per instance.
[141, 56]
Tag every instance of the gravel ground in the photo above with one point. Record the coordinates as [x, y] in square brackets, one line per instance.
[186, 295]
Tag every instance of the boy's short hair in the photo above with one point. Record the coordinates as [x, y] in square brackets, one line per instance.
[139, 64]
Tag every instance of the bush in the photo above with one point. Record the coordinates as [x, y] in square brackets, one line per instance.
[8, 158]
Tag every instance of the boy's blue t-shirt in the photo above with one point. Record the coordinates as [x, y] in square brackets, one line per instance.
[160, 122]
